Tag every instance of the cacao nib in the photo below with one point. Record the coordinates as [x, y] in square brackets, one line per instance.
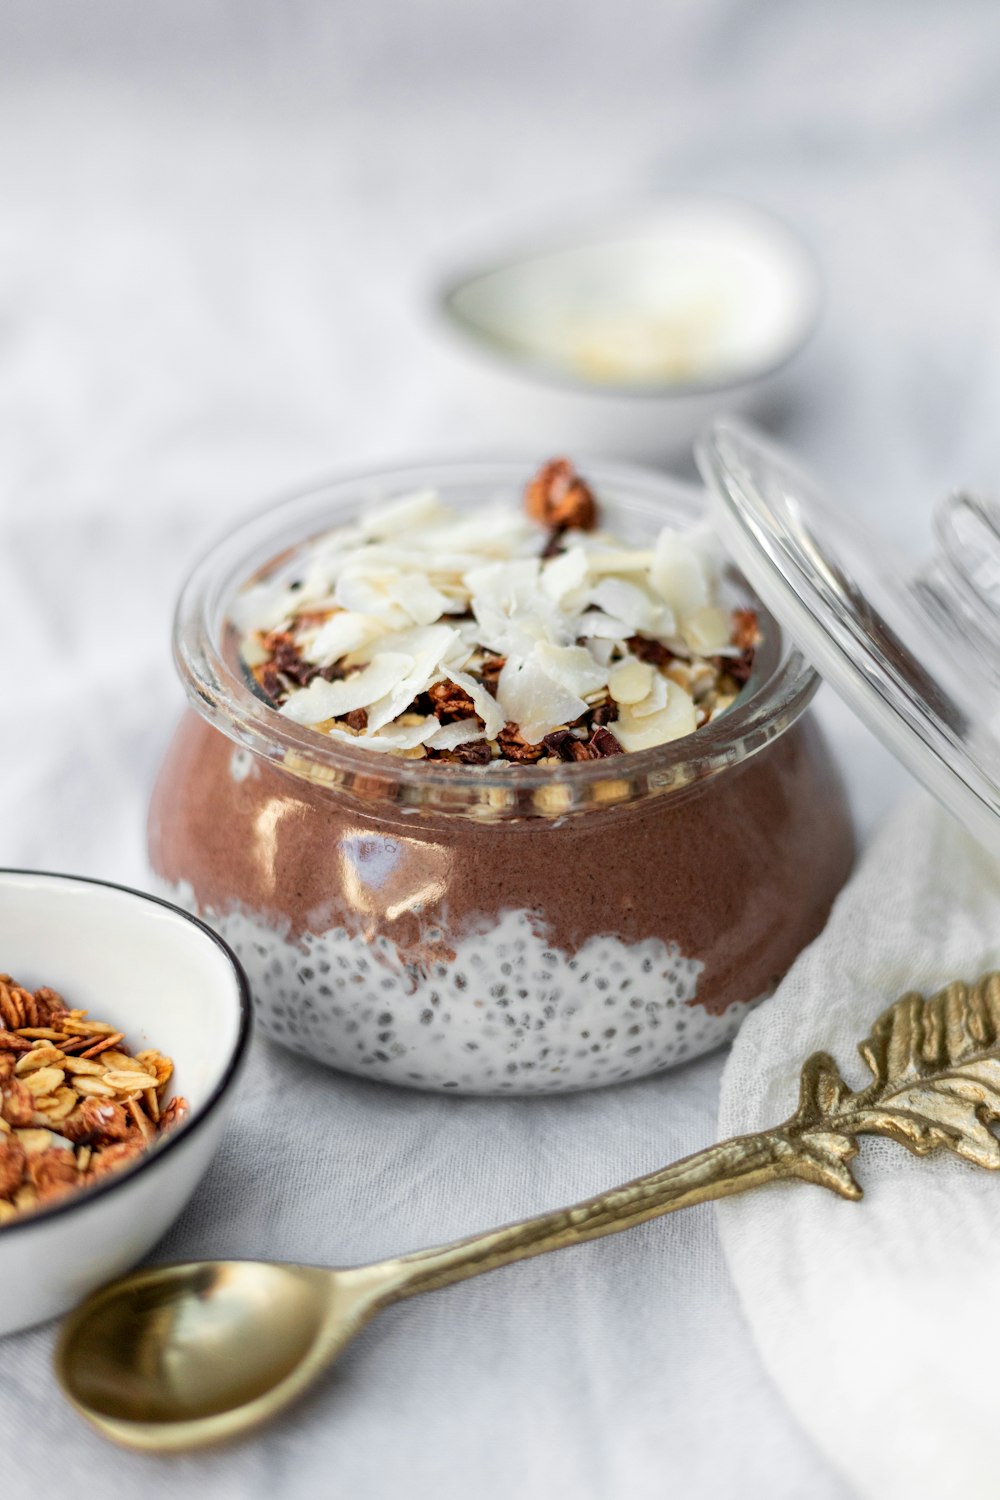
[559, 742]
[288, 661]
[738, 668]
[654, 652]
[333, 673]
[475, 753]
[269, 681]
[580, 750]
[603, 742]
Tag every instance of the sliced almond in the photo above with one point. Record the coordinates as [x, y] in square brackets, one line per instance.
[670, 723]
[630, 681]
[708, 630]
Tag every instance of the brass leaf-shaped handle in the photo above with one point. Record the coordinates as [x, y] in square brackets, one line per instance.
[936, 1077]
[935, 1085]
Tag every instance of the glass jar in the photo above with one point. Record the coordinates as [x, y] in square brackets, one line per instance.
[513, 929]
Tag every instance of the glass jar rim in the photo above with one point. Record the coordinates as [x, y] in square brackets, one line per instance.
[779, 690]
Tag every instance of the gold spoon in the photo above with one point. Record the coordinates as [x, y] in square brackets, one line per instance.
[175, 1357]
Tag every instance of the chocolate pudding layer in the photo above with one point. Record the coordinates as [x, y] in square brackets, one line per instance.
[519, 955]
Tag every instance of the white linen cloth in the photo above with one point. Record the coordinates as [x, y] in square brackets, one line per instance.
[220, 224]
[878, 1321]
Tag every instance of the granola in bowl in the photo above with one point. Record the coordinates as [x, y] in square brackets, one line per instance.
[75, 1103]
[528, 636]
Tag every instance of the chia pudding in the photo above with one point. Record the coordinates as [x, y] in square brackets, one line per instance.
[490, 798]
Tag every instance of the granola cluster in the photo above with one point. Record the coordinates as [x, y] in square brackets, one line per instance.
[501, 635]
[75, 1104]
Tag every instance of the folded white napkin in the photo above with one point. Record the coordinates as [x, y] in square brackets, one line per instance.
[879, 1321]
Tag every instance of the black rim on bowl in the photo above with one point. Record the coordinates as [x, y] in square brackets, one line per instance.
[176, 1137]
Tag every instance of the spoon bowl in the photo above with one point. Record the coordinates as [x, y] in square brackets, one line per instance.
[178, 1356]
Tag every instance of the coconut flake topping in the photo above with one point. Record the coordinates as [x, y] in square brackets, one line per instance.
[495, 634]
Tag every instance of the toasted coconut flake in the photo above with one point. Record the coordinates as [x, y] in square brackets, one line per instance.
[393, 516]
[402, 736]
[485, 704]
[626, 601]
[532, 699]
[459, 732]
[565, 573]
[708, 630]
[341, 634]
[572, 667]
[524, 624]
[323, 700]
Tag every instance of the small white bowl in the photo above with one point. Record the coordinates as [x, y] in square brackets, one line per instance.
[627, 336]
[168, 982]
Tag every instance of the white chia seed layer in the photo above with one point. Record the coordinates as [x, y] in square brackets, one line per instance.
[510, 1014]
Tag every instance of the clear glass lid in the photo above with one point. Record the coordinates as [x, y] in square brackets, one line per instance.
[913, 646]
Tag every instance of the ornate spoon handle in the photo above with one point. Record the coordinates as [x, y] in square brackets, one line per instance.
[731, 1167]
[936, 1084]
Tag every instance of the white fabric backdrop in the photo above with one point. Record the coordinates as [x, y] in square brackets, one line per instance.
[218, 224]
